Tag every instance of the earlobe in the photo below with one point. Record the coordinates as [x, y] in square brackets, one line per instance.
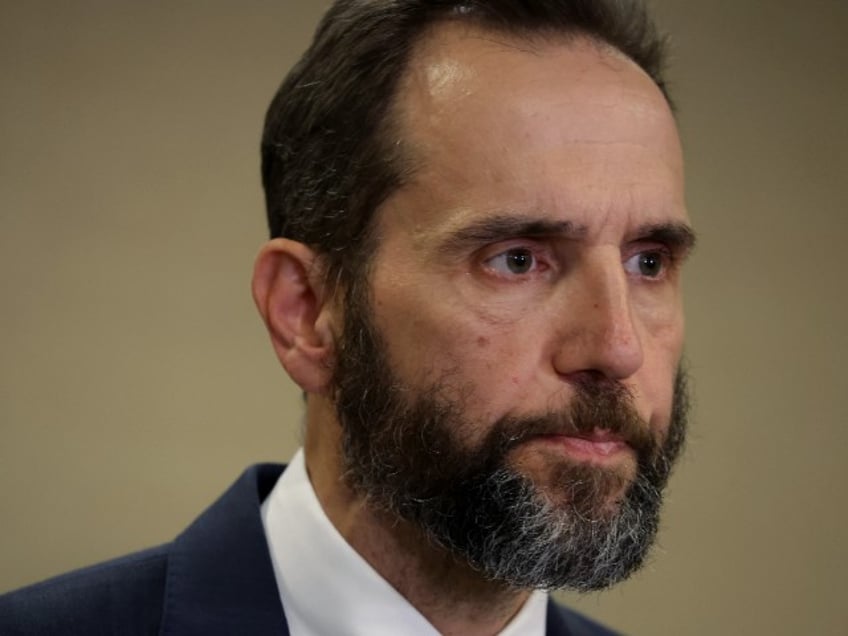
[289, 294]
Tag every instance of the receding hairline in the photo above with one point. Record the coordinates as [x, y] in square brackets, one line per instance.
[530, 40]
[394, 127]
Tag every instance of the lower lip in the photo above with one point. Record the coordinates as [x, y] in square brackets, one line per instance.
[597, 450]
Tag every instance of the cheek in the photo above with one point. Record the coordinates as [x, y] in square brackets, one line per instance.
[486, 363]
[499, 372]
[658, 375]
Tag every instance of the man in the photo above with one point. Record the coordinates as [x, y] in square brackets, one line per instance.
[478, 225]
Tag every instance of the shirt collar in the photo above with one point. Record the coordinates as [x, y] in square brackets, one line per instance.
[328, 588]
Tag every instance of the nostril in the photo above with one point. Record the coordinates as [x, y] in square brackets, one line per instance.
[594, 381]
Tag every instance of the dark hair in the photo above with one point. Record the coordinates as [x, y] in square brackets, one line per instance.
[328, 159]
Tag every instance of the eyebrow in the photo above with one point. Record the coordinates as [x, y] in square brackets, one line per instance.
[505, 226]
[679, 237]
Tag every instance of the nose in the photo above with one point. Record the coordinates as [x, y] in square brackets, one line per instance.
[599, 330]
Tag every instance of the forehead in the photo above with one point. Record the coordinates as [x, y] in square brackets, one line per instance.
[459, 67]
[559, 122]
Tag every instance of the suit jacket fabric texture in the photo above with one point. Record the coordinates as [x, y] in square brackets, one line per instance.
[215, 579]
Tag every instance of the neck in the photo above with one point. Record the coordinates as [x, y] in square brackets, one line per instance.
[446, 591]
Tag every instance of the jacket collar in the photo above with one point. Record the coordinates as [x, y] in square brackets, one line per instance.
[220, 579]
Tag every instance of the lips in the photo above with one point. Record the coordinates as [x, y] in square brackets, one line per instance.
[599, 443]
[590, 446]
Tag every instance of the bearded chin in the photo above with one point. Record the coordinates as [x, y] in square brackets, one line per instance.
[586, 528]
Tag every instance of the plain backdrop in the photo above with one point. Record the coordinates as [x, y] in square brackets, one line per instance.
[136, 381]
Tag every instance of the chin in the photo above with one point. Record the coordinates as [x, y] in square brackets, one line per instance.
[592, 489]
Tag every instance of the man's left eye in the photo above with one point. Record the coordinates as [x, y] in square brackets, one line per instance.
[650, 264]
[517, 261]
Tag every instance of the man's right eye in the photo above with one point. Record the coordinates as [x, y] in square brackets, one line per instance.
[513, 262]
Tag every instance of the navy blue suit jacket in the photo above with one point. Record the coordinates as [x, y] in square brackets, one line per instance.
[215, 579]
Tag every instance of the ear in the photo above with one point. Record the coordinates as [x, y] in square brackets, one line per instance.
[288, 291]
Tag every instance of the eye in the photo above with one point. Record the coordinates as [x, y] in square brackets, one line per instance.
[651, 264]
[513, 262]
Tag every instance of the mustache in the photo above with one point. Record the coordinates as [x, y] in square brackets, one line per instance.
[597, 406]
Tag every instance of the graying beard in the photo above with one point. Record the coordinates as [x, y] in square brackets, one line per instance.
[498, 521]
[556, 547]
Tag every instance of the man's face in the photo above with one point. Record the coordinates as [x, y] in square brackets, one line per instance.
[513, 360]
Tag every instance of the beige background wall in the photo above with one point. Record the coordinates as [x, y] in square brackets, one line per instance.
[136, 382]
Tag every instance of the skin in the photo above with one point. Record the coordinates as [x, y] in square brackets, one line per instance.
[510, 267]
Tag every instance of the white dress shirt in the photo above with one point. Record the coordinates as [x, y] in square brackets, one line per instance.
[328, 589]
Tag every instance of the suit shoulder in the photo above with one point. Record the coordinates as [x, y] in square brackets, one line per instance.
[576, 624]
[123, 596]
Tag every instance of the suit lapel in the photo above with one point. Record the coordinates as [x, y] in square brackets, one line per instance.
[220, 579]
[555, 623]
